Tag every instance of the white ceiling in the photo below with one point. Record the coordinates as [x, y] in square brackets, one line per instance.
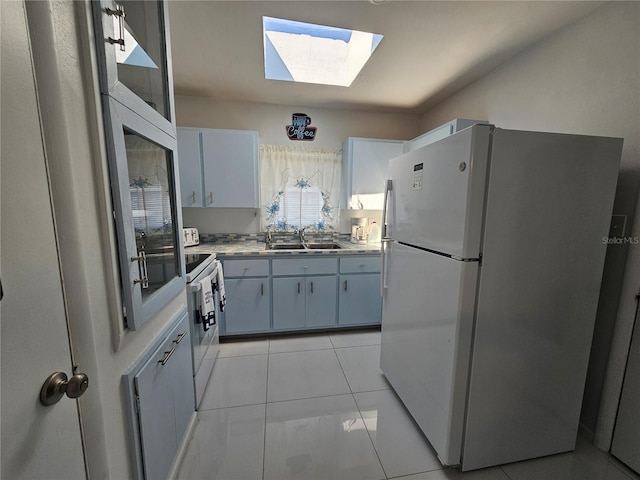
[430, 49]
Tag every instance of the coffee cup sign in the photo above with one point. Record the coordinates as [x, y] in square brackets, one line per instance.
[300, 129]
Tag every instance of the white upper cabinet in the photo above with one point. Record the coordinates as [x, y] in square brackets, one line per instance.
[230, 166]
[218, 168]
[190, 162]
[364, 171]
[440, 132]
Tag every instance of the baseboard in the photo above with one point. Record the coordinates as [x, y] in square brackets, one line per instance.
[177, 461]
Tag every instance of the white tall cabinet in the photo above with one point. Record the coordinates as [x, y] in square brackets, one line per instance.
[440, 132]
[218, 167]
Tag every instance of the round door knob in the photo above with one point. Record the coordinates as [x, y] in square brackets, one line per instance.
[58, 384]
[77, 385]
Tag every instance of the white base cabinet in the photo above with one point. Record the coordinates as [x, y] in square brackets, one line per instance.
[161, 395]
[360, 301]
[248, 302]
[304, 302]
[297, 293]
[359, 305]
[248, 292]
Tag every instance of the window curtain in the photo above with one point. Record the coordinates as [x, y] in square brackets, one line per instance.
[299, 188]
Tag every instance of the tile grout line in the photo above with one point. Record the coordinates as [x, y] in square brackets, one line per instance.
[361, 417]
[266, 397]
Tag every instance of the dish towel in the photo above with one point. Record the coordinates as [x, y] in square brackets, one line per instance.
[220, 282]
[207, 304]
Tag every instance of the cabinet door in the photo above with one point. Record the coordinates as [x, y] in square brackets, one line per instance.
[230, 165]
[248, 305]
[156, 414]
[181, 372]
[288, 303]
[190, 164]
[367, 170]
[135, 57]
[360, 301]
[148, 217]
[321, 301]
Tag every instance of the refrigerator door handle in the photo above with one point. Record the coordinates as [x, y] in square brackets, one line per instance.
[385, 238]
[385, 223]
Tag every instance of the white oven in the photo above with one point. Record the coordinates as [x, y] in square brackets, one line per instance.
[204, 342]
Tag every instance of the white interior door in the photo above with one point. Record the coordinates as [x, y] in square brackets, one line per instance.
[626, 437]
[38, 442]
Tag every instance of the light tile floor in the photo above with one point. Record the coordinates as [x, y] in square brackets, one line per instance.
[317, 407]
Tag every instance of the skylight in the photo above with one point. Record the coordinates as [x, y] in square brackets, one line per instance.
[308, 53]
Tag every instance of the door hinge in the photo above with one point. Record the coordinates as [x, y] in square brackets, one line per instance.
[138, 403]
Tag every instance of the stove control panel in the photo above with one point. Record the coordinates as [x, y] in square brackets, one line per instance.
[190, 237]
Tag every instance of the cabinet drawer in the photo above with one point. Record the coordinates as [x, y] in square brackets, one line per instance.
[246, 268]
[305, 266]
[362, 264]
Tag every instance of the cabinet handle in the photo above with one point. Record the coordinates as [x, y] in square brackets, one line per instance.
[193, 197]
[119, 12]
[180, 337]
[167, 356]
[345, 285]
[311, 287]
[262, 289]
[210, 198]
[142, 264]
[298, 288]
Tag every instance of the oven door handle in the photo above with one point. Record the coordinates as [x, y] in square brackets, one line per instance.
[195, 286]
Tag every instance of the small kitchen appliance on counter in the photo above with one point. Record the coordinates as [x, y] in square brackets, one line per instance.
[190, 237]
[358, 234]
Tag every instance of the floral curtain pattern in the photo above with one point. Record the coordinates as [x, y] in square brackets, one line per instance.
[299, 188]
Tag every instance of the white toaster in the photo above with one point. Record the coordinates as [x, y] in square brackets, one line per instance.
[191, 237]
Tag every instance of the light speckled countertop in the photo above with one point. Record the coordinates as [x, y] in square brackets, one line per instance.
[257, 248]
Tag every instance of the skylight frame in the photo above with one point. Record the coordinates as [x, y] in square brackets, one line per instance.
[311, 53]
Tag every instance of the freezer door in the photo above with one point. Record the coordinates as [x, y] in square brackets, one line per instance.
[437, 196]
[427, 323]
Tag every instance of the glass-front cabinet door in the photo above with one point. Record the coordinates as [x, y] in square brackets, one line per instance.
[137, 102]
[135, 54]
[144, 176]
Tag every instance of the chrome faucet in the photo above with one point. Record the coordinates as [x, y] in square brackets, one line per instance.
[300, 233]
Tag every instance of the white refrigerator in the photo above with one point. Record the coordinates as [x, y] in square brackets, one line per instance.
[492, 262]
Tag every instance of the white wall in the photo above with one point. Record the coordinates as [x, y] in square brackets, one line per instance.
[584, 79]
[269, 121]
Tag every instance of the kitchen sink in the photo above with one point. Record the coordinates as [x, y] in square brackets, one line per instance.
[298, 246]
[323, 246]
[285, 246]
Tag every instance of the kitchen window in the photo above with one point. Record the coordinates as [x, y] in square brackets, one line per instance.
[300, 188]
